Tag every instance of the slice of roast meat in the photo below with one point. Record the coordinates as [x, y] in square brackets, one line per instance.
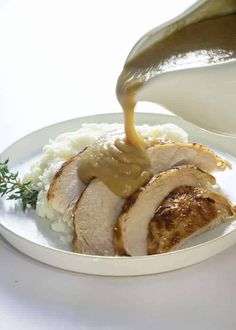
[66, 186]
[167, 155]
[184, 213]
[131, 230]
[94, 218]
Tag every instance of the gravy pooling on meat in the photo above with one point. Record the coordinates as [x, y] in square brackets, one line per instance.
[121, 166]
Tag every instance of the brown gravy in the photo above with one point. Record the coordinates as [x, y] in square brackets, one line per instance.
[119, 165]
[121, 162]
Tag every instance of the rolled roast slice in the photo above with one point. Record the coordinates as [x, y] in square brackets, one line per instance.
[185, 212]
[131, 230]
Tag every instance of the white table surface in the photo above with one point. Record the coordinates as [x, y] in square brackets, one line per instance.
[59, 60]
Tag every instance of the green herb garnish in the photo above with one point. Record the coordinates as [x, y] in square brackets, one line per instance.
[14, 189]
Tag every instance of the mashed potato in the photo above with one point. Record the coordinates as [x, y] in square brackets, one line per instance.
[69, 144]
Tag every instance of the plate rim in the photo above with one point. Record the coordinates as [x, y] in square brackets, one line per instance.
[211, 241]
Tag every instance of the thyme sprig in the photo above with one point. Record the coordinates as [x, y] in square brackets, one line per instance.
[14, 189]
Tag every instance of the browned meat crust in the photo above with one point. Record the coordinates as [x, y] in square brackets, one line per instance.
[130, 234]
[185, 211]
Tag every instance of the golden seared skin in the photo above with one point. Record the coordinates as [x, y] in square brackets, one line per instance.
[131, 229]
[183, 213]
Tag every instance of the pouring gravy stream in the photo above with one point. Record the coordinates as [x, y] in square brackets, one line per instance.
[121, 161]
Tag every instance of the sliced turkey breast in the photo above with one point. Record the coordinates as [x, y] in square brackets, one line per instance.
[184, 213]
[66, 189]
[94, 218]
[66, 186]
[131, 230]
[162, 157]
[167, 155]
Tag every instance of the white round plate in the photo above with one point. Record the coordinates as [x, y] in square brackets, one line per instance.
[33, 236]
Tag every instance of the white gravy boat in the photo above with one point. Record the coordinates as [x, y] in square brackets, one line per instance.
[204, 95]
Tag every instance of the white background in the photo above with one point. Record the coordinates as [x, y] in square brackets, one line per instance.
[59, 60]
